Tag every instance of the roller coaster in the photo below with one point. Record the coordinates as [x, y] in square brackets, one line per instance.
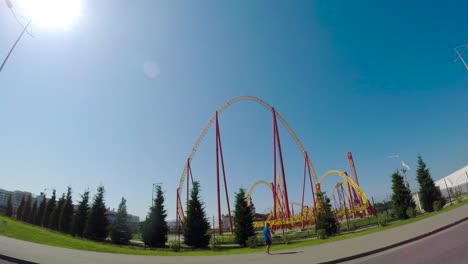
[282, 214]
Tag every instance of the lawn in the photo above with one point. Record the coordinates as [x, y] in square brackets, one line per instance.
[31, 233]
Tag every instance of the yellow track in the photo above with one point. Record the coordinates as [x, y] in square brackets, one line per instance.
[213, 119]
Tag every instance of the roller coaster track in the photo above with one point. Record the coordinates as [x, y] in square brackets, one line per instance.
[212, 120]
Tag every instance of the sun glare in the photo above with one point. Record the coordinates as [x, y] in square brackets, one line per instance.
[59, 14]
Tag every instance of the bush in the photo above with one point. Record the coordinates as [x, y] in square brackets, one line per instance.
[286, 239]
[321, 234]
[252, 242]
[437, 205]
[458, 197]
[215, 244]
[410, 212]
[174, 245]
[382, 222]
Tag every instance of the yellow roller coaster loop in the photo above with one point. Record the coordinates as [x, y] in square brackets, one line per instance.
[359, 192]
[306, 213]
[212, 120]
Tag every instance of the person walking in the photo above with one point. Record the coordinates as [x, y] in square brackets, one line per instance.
[267, 237]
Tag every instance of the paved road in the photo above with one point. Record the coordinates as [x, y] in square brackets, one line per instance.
[315, 254]
[447, 247]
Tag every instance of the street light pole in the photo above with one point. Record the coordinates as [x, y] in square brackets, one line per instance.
[14, 45]
[404, 170]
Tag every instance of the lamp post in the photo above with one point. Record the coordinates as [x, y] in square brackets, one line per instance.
[10, 6]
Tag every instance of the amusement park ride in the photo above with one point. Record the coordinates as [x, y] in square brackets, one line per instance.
[353, 202]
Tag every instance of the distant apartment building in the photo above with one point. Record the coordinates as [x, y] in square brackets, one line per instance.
[17, 196]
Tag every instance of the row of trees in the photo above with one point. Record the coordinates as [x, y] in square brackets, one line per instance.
[196, 225]
[403, 203]
[86, 220]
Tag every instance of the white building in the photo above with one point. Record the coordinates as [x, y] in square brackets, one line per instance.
[456, 181]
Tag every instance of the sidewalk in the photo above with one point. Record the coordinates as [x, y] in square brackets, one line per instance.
[312, 254]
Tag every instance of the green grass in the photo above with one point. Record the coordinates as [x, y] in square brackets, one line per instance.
[31, 233]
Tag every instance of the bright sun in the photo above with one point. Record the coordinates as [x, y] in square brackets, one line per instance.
[51, 13]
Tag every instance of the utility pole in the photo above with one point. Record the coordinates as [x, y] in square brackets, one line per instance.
[404, 170]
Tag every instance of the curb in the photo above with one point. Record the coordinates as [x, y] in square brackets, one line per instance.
[365, 254]
[15, 260]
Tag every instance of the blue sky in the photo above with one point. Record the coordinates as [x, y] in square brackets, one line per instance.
[376, 79]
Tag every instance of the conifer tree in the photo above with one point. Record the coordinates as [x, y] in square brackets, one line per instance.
[9, 208]
[401, 198]
[243, 219]
[427, 189]
[32, 216]
[325, 219]
[41, 211]
[26, 209]
[66, 214]
[49, 210]
[54, 218]
[155, 227]
[120, 230]
[196, 225]
[97, 224]
[19, 211]
[80, 216]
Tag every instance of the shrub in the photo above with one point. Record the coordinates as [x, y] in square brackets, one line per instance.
[458, 197]
[410, 212]
[383, 222]
[214, 244]
[252, 242]
[437, 205]
[286, 239]
[321, 234]
[174, 245]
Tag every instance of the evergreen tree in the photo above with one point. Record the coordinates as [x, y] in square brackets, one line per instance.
[120, 230]
[427, 189]
[155, 227]
[96, 226]
[41, 211]
[66, 214]
[54, 218]
[243, 219]
[81, 215]
[19, 211]
[401, 197]
[9, 208]
[196, 224]
[26, 209]
[32, 216]
[49, 210]
[325, 219]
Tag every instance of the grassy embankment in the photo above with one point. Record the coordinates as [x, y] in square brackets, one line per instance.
[35, 234]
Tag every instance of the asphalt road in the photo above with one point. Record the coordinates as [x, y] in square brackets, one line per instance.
[447, 247]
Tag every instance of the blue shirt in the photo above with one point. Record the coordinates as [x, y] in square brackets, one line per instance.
[266, 232]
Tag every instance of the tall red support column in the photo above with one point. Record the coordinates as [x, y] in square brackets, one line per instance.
[218, 133]
[303, 193]
[288, 214]
[189, 177]
[274, 167]
[310, 179]
[355, 178]
[220, 227]
[177, 211]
